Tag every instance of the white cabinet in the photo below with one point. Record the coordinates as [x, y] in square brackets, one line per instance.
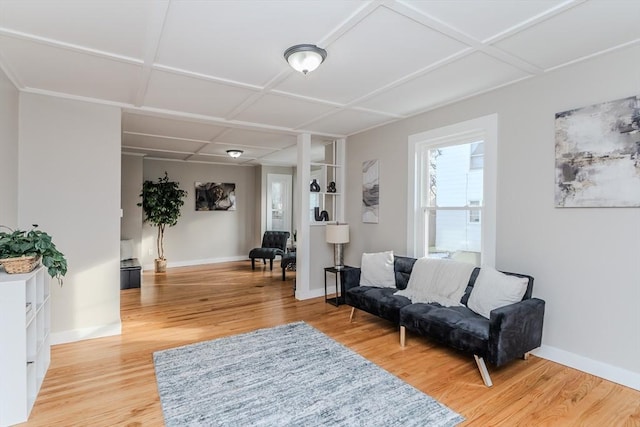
[25, 347]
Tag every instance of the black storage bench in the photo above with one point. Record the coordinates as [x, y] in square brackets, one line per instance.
[130, 272]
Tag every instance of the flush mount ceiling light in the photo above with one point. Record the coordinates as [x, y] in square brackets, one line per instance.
[235, 153]
[305, 57]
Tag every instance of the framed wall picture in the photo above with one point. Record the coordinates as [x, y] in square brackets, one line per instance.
[370, 191]
[598, 155]
[215, 196]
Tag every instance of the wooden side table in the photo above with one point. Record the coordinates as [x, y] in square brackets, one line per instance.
[339, 295]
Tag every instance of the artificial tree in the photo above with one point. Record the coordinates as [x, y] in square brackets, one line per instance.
[161, 203]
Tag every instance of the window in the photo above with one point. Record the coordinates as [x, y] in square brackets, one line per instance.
[474, 214]
[446, 208]
[279, 202]
[452, 214]
[476, 157]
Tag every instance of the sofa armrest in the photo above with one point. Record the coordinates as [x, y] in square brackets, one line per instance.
[351, 278]
[514, 330]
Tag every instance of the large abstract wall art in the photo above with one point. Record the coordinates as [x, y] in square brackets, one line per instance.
[598, 155]
[370, 195]
[215, 196]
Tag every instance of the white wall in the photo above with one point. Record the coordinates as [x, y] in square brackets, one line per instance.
[69, 175]
[204, 237]
[8, 152]
[584, 260]
[131, 221]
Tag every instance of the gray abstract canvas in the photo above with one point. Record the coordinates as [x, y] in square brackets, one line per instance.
[598, 155]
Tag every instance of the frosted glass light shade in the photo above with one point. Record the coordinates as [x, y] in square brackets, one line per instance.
[235, 153]
[337, 233]
[305, 57]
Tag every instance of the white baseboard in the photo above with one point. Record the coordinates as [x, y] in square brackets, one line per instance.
[86, 333]
[199, 262]
[603, 370]
[312, 293]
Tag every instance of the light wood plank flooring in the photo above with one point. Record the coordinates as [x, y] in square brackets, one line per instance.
[110, 381]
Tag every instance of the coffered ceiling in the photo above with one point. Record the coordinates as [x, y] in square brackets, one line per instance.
[195, 78]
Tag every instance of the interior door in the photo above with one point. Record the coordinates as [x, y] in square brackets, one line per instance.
[279, 202]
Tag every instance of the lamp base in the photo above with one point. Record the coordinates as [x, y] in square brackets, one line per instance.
[338, 259]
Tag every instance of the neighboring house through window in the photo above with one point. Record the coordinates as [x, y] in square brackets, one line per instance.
[452, 190]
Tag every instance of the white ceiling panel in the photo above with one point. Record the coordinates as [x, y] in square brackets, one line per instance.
[289, 156]
[115, 26]
[190, 71]
[181, 93]
[219, 159]
[44, 67]
[347, 122]
[221, 150]
[135, 151]
[153, 142]
[141, 123]
[237, 136]
[166, 155]
[368, 57]
[244, 40]
[482, 19]
[471, 74]
[565, 37]
[282, 111]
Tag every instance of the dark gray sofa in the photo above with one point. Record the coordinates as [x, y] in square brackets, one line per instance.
[511, 332]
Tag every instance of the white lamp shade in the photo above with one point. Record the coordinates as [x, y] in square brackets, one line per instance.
[337, 233]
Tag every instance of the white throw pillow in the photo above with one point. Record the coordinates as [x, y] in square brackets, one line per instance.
[126, 250]
[494, 289]
[376, 269]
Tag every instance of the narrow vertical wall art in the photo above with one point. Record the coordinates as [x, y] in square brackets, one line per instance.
[598, 155]
[370, 194]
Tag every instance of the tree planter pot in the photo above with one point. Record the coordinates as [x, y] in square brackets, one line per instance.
[160, 265]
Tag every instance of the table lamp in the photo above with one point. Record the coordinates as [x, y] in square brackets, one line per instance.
[338, 234]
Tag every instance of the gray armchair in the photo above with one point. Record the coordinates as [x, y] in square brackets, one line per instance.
[274, 243]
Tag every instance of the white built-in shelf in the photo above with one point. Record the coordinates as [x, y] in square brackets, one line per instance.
[25, 299]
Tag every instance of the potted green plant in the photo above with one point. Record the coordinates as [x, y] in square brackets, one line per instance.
[21, 251]
[161, 203]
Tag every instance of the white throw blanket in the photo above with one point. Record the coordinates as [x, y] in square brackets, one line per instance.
[438, 280]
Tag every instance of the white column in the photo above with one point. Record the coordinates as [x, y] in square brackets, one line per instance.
[302, 216]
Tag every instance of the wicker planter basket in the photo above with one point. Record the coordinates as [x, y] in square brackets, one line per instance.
[20, 265]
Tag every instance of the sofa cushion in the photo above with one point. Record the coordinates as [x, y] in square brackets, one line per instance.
[494, 289]
[403, 267]
[442, 281]
[378, 301]
[377, 270]
[265, 253]
[458, 327]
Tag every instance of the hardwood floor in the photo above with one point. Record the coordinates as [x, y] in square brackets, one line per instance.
[110, 381]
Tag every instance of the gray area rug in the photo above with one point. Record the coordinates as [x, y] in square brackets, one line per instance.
[290, 375]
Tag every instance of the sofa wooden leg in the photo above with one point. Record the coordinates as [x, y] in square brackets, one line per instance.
[526, 356]
[403, 335]
[253, 263]
[483, 371]
[352, 315]
[271, 265]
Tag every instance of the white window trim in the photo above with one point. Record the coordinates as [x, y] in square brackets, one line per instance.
[487, 128]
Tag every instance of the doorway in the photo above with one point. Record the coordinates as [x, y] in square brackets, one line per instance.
[279, 205]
